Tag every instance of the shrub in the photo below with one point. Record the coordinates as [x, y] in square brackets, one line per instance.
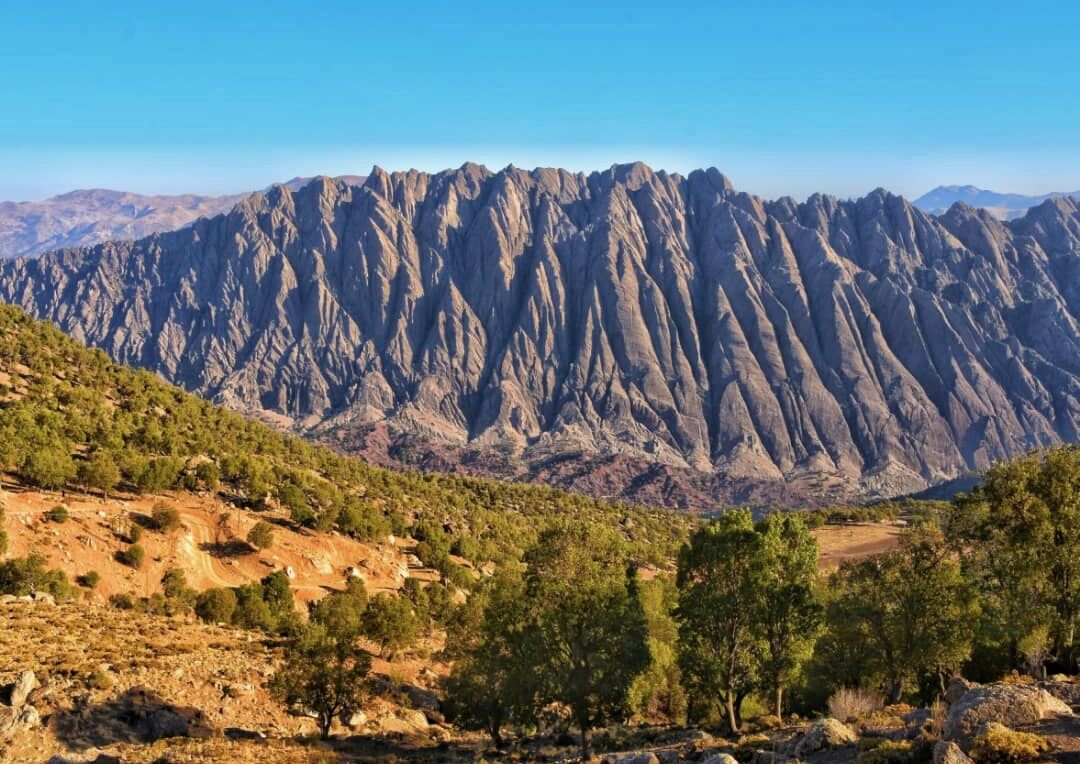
[122, 601]
[89, 579]
[59, 514]
[135, 534]
[133, 556]
[166, 518]
[849, 704]
[882, 751]
[261, 535]
[1000, 745]
[216, 605]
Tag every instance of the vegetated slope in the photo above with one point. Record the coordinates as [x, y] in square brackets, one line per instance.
[65, 408]
[1003, 206]
[91, 216]
[628, 333]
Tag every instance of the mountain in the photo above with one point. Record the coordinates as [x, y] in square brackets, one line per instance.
[84, 218]
[626, 333]
[1002, 206]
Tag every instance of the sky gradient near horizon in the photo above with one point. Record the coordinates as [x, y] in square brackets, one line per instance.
[784, 97]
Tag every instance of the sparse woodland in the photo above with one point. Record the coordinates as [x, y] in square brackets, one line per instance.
[736, 627]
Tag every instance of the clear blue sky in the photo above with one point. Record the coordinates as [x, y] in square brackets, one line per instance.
[785, 97]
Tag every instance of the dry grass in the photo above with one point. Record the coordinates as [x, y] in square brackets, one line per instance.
[852, 704]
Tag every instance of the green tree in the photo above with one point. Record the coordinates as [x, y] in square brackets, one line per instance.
[719, 575]
[1018, 535]
[391, 623]
[99, 471]
[49, 466]
[342, 613]
[492, 683]
[587, 627]
[216, 605]
[657, 693]
[789, 615]
[909, 612]
[261, 535]
[322, 671]
[166, 518]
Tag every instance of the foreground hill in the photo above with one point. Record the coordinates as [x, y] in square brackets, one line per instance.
[627, 333]
[69, 416]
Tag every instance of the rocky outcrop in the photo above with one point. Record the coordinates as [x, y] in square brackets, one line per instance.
[657, 331]
[1011, 705]
[824, 733]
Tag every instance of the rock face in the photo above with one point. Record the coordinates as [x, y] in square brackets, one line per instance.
[1012, 705]
[629, 332]
[88, 217]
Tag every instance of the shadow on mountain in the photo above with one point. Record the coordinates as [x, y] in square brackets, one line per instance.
[138, 715]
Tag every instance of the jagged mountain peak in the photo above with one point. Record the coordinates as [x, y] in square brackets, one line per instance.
[544, 319]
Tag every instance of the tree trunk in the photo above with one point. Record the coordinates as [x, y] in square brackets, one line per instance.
[733, 722]
[325, 721]
[495, 728]
[586, 742]
[779, 701]
[896, 690]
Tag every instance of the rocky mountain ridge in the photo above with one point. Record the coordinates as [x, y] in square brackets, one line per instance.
[91, 216]
[537, 321]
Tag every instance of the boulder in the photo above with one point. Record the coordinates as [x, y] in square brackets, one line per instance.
[668, 757]
[14, 719]
[1063, 689]
[354, 720]
[634, 758]
[20, 691]
[1013, 705]
[721, 758]
[958, 688]
[948, 752]
[824, 733]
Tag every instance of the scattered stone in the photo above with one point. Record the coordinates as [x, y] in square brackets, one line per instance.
[684, 736]
[1013, 705]
[633, 758]
[948, 752]
[20, 691]
[825, 733]
[721, 758]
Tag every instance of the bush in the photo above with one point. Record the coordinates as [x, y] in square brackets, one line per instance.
[848, 704]
[24, 575]
[122, 601]
[216, 605]
[135, 534]
[1000, 745]
[133, 556]
[882, 751]
[89, 579]
[59, 514]
[165, 517]
[261, 535]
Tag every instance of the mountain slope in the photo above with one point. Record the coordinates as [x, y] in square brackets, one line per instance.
[88, 217]
[688, 333]
[1001, 206]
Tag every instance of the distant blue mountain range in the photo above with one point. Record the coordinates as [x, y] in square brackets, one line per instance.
[1004, 206]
